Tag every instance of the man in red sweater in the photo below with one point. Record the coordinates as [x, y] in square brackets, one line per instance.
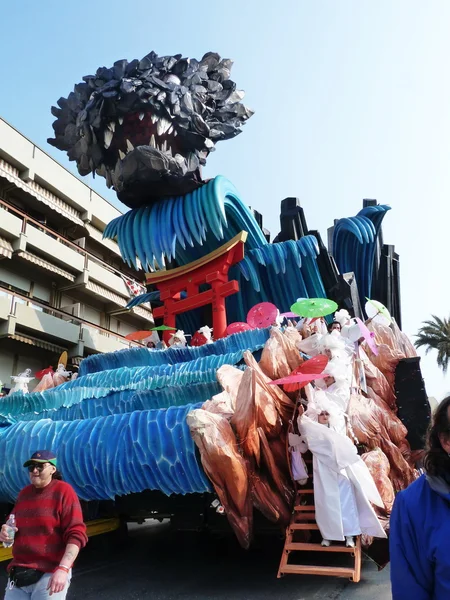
[50, 532]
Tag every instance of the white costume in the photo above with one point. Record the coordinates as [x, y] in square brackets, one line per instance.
[21, 382]
[178, 339]
[343, 486]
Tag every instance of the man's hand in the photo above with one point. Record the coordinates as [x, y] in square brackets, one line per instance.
[4, 534]
[57, 581]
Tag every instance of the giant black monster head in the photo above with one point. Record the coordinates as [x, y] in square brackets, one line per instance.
[148, 125]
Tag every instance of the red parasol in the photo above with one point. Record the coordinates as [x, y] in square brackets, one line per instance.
[237, 327]
[303, 378]
[40, 374]
[137, 336]
[198, 339]
[262, 315]
[313, 366]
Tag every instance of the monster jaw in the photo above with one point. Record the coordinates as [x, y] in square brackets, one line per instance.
[137, 141]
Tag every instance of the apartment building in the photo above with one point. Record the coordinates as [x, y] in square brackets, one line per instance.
[62, 287]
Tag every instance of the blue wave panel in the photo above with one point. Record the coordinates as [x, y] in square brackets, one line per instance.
[102, 383]
[216, 204]
[355, 242]
[142, 357]
[128, 401]
[108, 456]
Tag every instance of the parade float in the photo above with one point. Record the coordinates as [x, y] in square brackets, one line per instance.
[201, 433]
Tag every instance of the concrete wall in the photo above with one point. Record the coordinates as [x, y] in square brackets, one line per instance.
[10, 225]
[46, 171]
[107, 279]
[56, 251]
[6, 365]
[39, 322]
[96, 341]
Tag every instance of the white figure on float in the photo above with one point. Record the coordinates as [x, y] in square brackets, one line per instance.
[21, 382]
[178, 339]
[343, 486]
[207, 333]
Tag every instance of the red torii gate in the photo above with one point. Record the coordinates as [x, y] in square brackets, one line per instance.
[211, 269]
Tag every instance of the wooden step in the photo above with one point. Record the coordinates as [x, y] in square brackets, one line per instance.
[317, 570]
[305, 508]
[307, 526]
[310, 516]
[305, 491]
[301, 546]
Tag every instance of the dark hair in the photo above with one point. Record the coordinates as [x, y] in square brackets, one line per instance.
[57, 475]
[330, 325]
[437, 461]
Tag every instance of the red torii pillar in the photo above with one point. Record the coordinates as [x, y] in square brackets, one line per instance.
[211, 269]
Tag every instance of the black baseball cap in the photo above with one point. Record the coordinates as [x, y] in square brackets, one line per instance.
[42, 456]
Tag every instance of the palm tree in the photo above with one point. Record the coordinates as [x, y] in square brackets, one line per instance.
[435, 335]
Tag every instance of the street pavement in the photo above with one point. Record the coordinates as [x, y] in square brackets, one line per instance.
[156, 563]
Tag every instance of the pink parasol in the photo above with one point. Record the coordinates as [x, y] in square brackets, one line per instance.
[368, 336]
[262, 315]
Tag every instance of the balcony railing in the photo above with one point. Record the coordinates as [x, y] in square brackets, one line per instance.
[57, 236]
[16, 299]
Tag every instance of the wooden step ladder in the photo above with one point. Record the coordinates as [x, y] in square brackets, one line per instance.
[303, 525]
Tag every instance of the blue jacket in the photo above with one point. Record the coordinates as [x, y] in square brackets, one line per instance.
[420, 541]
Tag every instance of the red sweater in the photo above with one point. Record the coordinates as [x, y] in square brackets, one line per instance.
[47, 520]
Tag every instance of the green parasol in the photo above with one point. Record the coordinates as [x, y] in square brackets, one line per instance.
[314, 307]
[375, 310]
[163, 328]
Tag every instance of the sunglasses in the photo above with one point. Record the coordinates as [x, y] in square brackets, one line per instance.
[39, 466]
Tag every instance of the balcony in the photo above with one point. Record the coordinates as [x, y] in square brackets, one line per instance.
[49, 250]
[22, 318]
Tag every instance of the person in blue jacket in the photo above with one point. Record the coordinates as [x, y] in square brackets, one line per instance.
[420, 522]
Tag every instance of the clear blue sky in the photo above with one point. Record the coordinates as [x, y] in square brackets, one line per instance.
[351, 100]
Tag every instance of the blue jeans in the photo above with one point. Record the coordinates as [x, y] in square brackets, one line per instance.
[37, 591]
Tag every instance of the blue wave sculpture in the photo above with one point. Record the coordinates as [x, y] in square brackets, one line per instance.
[354, 245]
[109, 456]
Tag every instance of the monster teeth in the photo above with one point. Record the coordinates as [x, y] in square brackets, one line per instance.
[120, 119]
[141, 116]
[108, 136]
[169, 151]
[112, 126]
[170, 130]
[154, 119]
[122, 154]
[152, 141]
[164, 146]
[130, 146]
[162, 126]
[175, 133]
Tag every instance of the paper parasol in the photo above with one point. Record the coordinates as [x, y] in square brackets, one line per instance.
[289, 315]
[262, 315]
[298, 378]
[378, 312]
[368, 336]
[40, 374]
[314, 307]
[313, 366]
[163, 328]
[237, 327]
[62, 360]
[138, 336]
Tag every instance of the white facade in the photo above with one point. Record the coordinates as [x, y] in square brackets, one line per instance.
[61, 284]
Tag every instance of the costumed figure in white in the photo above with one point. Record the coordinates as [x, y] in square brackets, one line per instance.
[178, 339]
[343, 486]
[21, 382]
[207, 333]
